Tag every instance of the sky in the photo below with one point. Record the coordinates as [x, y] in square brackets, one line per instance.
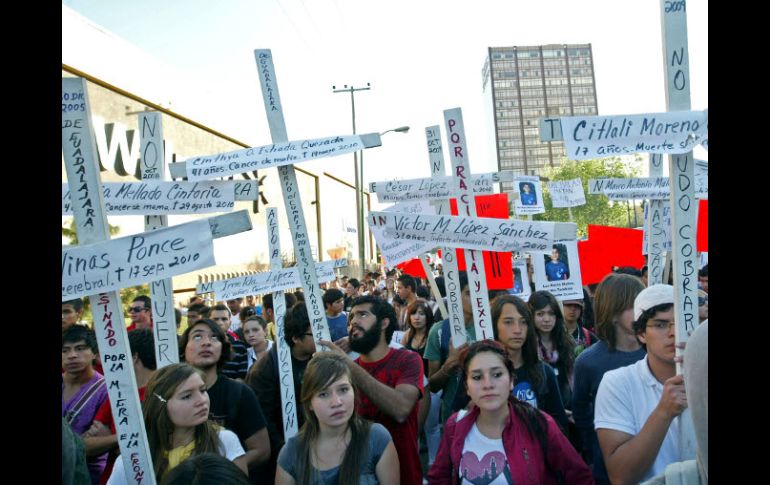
[420, 58]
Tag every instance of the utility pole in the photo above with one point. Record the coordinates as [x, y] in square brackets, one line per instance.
[358, 176]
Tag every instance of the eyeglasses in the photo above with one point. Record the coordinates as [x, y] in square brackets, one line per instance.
[661, 325]
[135, 309]
[310, 334]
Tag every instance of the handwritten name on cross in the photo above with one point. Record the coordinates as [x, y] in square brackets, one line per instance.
[286, 375]
[291, 196]
[79, 152]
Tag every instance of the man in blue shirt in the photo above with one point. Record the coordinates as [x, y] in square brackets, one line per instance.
[334, 302]
[555, 269]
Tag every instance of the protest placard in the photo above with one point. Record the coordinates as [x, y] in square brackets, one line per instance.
[530, 195]
[274, 155]
[672, 132]
[439, 187]
[283, 351]
[558, 271]
[132, 260]
[567, 193]
[396, 251]
[164, 197]
[291, 196]
[267, 282]
[476, 232]
[450, 264]
[521, 286]
[652, 188]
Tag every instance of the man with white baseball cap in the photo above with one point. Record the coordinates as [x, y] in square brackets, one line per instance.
[636, 405]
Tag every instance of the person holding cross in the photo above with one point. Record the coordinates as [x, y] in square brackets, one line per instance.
[443, 370]
[390, 380]
[637, 406]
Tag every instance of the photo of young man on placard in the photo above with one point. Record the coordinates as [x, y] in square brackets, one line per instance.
[521, 280]
[557, 264]
[528, 193]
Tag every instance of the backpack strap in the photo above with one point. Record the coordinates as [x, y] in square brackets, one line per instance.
[84, 398]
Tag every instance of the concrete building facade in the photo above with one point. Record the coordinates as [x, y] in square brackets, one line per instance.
[523, 84]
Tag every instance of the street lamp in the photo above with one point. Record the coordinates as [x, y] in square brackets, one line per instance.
[358, 169]
[361, 252]
[359, 226]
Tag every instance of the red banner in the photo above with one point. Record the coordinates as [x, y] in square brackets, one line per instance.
[607, 247]
[703, 226]
[498, 266]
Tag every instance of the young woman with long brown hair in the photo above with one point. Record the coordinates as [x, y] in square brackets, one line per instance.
[335, 445]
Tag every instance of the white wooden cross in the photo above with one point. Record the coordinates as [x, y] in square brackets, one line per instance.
[155, 198]
[98, 268]
[291, 196]
[279, 279]
[161, 291]
[674, 133]
[285, 372]
[455, 313]
[461, 170]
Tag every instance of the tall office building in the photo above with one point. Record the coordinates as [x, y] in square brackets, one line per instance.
[529, 83]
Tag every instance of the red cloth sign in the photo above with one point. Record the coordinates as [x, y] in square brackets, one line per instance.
[498, 266]
[607, 247]
[702, 243]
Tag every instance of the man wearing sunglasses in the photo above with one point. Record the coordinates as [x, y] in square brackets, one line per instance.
[140, 312]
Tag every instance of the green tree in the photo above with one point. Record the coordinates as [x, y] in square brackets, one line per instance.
[127, 295]
[70, 233]
[598, 209]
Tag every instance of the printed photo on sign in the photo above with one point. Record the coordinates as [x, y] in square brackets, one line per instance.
[530, 196]
[557, 263]
[527, 193]
[521, 286]
[558, 271]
